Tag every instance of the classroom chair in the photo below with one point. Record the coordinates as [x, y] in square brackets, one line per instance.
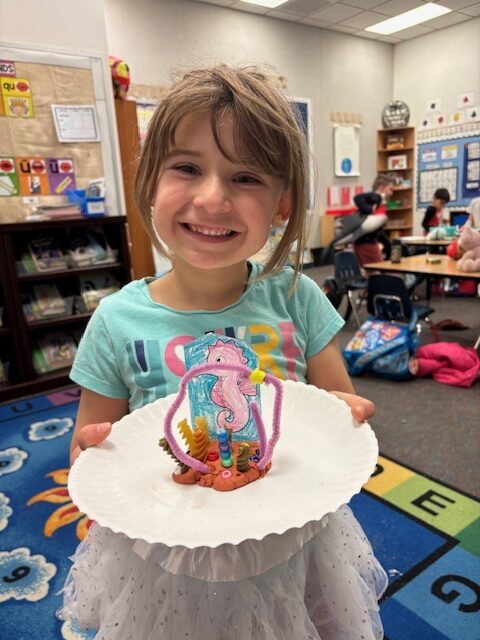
[388, 299]
[350, 279]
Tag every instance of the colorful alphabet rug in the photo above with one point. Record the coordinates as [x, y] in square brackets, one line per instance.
[426, 535]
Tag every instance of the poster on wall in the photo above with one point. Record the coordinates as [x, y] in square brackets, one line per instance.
[346, 150]
[75, 122]
[453, 164]
[145, 111]
[8, 178]
[304, 109]
[471, 169]
[16, 98]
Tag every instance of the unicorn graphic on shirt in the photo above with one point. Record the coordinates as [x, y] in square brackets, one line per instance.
[230, 390]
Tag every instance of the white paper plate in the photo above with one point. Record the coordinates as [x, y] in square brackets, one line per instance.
[321, 460]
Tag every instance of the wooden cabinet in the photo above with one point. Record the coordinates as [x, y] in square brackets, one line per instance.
[129, 142]
[17, 335]
[396, 157]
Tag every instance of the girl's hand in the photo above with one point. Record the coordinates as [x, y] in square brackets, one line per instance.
[89, 436]
[361, 408]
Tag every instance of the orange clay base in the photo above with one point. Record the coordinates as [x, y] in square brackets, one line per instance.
[223, 478]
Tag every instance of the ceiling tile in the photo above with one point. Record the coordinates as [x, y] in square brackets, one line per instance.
[313, 22]
[364, 19]
[364, 4]
[395, 7]
[457, 4]
[341, 27]
[249, 8]
[413, 32]
[336, 13]
[283, 15]
[219, 3]
[368, 35]
[390, 39]
[447, 20]
[473, 10]
[305, 7]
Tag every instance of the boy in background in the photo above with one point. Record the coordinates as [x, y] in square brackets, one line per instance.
[434, 214]
[369, 247]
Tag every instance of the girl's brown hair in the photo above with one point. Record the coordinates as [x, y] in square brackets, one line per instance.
[266, 129]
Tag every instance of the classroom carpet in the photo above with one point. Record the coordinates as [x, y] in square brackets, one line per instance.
[426, 534]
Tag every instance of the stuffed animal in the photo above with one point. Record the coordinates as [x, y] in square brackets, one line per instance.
[120, 76]
[470, 242]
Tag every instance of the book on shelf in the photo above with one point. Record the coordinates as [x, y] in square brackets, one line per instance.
[95, 287]
[90, 248]
[394, 141]
[58, 210]
[397, 162]
[49, 300]
[3, 372]
[54, 351]
[47, 255]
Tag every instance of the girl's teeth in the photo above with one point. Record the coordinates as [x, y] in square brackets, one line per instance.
[209, 232]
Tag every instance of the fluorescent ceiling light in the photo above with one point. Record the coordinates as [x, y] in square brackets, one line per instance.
[408, 19]
[271, 4]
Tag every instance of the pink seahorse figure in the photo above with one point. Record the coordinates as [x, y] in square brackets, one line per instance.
[230, 390]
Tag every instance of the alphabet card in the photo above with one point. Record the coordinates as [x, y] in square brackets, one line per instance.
[61, 175]
[33, 176]
[428, 122]
[472, 114]
[466, 99]
[434, 106]
[440, 119]
[16, 97]
[457, 117]
[8, 178]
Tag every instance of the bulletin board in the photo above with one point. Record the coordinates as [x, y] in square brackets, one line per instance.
[29, 138]
[452, 163]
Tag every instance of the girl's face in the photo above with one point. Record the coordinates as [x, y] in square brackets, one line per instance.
[213, 213]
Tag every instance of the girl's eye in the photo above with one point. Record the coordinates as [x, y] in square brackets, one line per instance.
[187, 168]
[246, 179]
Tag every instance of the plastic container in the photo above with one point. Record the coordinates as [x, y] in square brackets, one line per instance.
[93, 206]
[396, 254]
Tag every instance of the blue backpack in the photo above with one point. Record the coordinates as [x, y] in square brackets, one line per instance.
[382, 348]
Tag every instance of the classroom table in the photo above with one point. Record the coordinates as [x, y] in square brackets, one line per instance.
[446, 268]
[424, 242]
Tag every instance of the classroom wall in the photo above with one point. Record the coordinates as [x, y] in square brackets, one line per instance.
[56, 24]
[439, 65]
[337, 71]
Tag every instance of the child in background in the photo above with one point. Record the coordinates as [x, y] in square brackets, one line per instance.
[369, 247]
[434, 215]
[224, 160]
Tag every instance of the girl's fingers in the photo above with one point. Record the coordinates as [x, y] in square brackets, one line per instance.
[93, 434]
[361, 408]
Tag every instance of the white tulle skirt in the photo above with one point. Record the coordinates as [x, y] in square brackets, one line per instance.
[321, 582]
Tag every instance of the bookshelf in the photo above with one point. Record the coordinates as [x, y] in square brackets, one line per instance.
[17, 335]
[396, 157]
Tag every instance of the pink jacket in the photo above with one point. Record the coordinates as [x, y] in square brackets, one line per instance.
[449, 363]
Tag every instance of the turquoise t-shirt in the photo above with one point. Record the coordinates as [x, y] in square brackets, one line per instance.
[133, 347]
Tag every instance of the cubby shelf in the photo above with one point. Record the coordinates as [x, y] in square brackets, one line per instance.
[17, 336]
[404, 136]
[68, 273]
